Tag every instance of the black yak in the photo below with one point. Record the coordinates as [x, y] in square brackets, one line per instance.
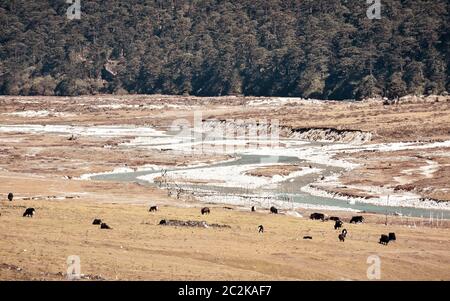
[342, 235]
[384, 239]
[10, 196]
[104, 226]
[205, 210]
[97, 221]
[316, 216]
[273, 210]
[392, 236]
[357, 219]
[338, 224]
[153, 208]
[261, 229]
[29, 212]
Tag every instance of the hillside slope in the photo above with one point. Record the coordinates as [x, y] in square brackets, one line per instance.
[319, 49]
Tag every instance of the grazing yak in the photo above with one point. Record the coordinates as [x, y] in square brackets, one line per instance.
[10, 196]
[307, 237]
[104, 226]
[205, 210]
[338, 224]
[261, 229]
[153, 208]
[334, 218]
[97, 221]
[317, 216]
[342, 235]
[392, 236]
[357, 219]
[384, 239]
[29, 212]
[273, 210]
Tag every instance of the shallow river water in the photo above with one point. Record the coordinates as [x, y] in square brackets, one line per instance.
[287, 190]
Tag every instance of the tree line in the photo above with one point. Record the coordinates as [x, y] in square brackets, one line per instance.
[326, 49]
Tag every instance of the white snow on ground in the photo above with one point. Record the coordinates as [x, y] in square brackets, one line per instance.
[293, 213]
[162, 142]
[117, 170]
[280, 101]
[430, 169]
[26, 101]
[7, 140]
[410, 174]
[407, 146]
[97, 130]
[324, 154]
[314, 154]
[117, 106]
[217, 146]
[230, 176]
[403, 180]
[41, 113]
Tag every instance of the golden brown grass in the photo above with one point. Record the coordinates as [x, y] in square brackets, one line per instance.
[138, 248]
[270, 171]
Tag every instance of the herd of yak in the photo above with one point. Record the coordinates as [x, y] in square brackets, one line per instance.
[338, 223]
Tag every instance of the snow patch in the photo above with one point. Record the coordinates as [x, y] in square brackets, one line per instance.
[229, 176]
[41, 113]
[97, 130]
[117, 170]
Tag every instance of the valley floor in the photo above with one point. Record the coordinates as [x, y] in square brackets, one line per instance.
[137, 248]
[47, 144]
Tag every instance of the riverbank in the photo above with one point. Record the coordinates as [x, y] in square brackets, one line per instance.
[102, 143]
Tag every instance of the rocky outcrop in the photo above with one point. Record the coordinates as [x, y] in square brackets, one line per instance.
[230, 128]
[331, 135]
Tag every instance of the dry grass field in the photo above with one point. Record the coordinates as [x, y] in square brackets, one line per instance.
[138, 248]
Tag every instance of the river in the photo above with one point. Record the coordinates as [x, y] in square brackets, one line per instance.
[288, 191]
